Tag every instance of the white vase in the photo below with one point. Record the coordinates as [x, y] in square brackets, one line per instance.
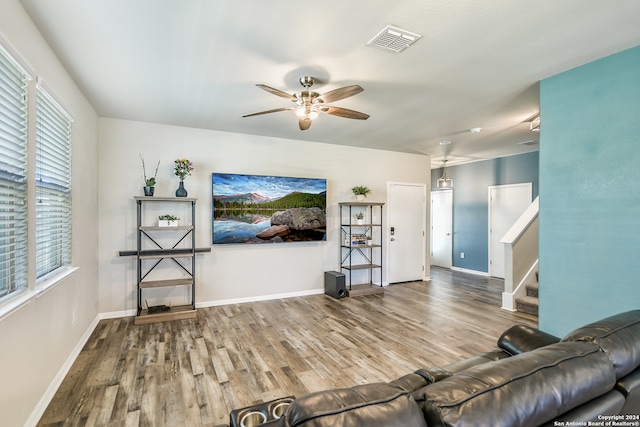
[360, 197]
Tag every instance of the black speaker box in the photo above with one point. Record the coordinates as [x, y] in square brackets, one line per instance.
[334, 284]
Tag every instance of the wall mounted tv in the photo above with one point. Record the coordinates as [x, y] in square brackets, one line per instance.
[257, 209]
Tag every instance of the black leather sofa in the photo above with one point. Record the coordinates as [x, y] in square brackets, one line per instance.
[531, 379]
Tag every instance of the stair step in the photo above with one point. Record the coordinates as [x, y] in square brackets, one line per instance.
[532, 290]
[527, 305]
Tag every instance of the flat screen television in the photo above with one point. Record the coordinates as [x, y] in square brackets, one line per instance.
[259, 209]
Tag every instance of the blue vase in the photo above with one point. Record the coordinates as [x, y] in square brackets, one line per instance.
[181, 191]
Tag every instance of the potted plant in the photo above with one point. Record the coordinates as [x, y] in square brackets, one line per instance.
[182, 168]
[167, 221]
[369, 240]
[149, 183]
[360, 218]
[360, 191]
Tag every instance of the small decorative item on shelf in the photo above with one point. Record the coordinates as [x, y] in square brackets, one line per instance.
[360, 218]
[168, 221]
[360, 191]
[369, 240]
[149, 183]
[182, 168]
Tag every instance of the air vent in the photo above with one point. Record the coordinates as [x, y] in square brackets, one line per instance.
[394, 39]
[531, 142]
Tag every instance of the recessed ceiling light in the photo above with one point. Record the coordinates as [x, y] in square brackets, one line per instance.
[444, 142]
[475, 130]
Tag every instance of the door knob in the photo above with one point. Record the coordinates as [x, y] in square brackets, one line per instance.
[393, 240]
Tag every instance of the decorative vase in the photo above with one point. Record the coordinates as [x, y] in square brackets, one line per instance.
[148, 191]
[360, 197]
[181, 191]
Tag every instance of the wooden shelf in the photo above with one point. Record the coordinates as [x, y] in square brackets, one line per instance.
[365, 289]
[361, 204]
[361, 267]
[175, 313]
[176, 228]
[168, 282]
[165, 199]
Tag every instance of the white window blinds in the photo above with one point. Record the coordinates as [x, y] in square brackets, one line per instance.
[53, 185]
[13, 176]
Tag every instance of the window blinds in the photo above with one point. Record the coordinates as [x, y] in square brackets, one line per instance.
[53, 185]
[13, 176]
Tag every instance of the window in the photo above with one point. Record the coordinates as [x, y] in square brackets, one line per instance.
[13, 175]
[53, 185]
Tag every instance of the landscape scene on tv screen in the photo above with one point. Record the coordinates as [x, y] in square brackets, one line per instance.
[259, 209]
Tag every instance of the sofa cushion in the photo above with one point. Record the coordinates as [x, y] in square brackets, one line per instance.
[618, 336]
[380, 405]
[608, 404]
[433, 375]
[528, 389]
[520, 338]
[629, 386]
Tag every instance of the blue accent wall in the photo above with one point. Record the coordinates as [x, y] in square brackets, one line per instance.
[471, 184]
[590, 192]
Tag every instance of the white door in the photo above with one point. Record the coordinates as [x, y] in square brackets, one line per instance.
[442, 228]
[407, 236]
[506, 204]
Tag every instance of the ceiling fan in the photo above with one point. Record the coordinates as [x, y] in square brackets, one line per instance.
[310, 105]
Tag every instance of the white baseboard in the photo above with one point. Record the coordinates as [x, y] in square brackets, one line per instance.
[258, 298]
[476, 272]
[46, 398]
[117, 314]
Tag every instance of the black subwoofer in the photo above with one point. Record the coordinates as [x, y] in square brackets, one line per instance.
[334, 284]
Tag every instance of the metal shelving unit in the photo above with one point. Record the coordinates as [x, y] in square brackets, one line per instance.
[356, 252]
[149, 234]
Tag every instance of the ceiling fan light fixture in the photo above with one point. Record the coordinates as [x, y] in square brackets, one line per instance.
[444, 182]
[306, 112]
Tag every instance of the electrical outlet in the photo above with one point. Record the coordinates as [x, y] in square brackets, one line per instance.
[461, 254]
[73, 316]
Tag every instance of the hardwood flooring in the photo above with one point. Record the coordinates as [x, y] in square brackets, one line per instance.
[194, 372]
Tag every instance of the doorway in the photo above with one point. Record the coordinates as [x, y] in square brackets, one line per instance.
[407, 231]
[506, 204]
[442, 228]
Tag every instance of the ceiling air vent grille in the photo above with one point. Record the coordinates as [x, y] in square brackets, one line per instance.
[531, 142]
[394, 39]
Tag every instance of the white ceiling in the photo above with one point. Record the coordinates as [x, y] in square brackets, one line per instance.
[195, 63]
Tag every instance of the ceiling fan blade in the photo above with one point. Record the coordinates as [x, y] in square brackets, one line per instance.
[304, 124]
[341, 93]
[275, 110]
[344, 112]
[277, 92]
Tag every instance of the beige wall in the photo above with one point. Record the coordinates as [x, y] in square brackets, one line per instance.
[40, 339]
[231, 272]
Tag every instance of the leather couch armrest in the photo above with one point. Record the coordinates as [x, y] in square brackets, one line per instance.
[366, 405]
[520, 339]
[410, 382]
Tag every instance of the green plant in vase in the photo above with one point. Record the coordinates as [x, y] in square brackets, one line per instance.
[149, 183]
[182, 168]
[360, 191]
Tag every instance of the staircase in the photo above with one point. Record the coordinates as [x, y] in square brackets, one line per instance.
[529, 303]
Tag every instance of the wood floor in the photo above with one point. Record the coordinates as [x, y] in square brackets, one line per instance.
[194, 372]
